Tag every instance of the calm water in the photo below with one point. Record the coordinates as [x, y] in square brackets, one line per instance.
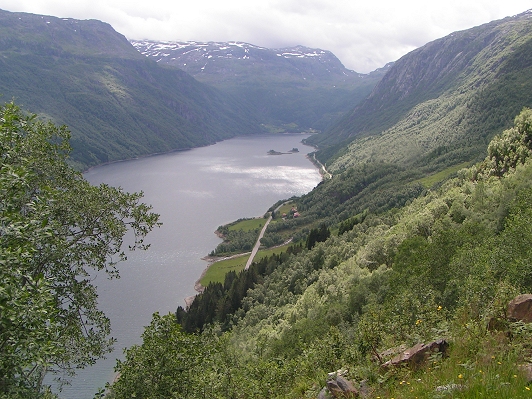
[194, 192]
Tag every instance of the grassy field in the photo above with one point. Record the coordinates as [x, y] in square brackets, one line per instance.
[248, 224]
[216, 272]
[285, 208]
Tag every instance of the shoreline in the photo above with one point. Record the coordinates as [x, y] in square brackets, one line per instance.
[210, 261]
[213, 259]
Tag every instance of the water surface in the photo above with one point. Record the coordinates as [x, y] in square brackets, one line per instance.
[194, 191]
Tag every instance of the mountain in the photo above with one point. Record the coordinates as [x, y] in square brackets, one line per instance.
[295, 87]
[443, 101]
[117, 103]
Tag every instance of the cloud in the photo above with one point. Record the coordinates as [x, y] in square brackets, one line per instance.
[363, 35]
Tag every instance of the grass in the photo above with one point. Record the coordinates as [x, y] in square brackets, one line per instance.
[269, 252]
[217, 271]
[248, 224]
[285, 208]
[491, 373]
[467, 381]
[431, 180]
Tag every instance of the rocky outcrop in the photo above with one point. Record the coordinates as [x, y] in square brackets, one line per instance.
[339, 387]
[418, 354]
[520, 309]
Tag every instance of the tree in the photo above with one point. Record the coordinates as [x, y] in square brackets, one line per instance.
[55, 228]
[317, 235]
[168, 364]
[512, 147]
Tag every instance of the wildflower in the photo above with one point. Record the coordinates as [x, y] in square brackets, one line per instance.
[460, 376]
[527, 388]
[418, 321]
[439, 308]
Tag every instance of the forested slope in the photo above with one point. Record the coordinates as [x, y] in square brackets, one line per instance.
[442, 102]
[444, 266]
[117, 103]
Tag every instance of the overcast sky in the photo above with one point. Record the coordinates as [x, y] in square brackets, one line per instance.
[364, 35]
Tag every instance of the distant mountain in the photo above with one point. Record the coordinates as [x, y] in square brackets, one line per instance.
[440, 103]
[233, 61]
[295, 87]
[117, 103]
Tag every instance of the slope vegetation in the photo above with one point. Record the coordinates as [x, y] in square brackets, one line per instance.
[433, 102]
[117, 103]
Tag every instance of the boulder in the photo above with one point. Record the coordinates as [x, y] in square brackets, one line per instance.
[520, 308]
[347, 387]
[334, 388]
[324, 394]
[339, 387]
[417, 354]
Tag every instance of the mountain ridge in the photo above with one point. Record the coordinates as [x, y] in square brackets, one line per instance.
[292, 88]
[117, 103]
[445, 83]
[199, 57]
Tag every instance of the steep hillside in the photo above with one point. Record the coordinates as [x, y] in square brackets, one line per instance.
[435, 99]
[291, 88]
[117, 103]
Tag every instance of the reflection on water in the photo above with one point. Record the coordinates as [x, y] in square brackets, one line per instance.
[194, 192]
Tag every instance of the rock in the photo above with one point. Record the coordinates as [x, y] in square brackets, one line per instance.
[418, 354]
[347, 387]
[520, 308]
[324, 394]
[449, 388]
[527, 371]
[364, 390]
[339, 387]
[392, 352]
[334, 388]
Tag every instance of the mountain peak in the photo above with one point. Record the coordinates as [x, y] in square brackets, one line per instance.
[229, 58]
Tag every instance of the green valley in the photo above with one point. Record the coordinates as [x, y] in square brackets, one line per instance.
[118, 104]
[405, 266]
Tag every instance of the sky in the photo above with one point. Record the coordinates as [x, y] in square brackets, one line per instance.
[364, 35]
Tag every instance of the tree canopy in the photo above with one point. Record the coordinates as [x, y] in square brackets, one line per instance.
[55, 230]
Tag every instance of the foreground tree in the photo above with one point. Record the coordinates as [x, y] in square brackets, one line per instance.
[55, 229]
